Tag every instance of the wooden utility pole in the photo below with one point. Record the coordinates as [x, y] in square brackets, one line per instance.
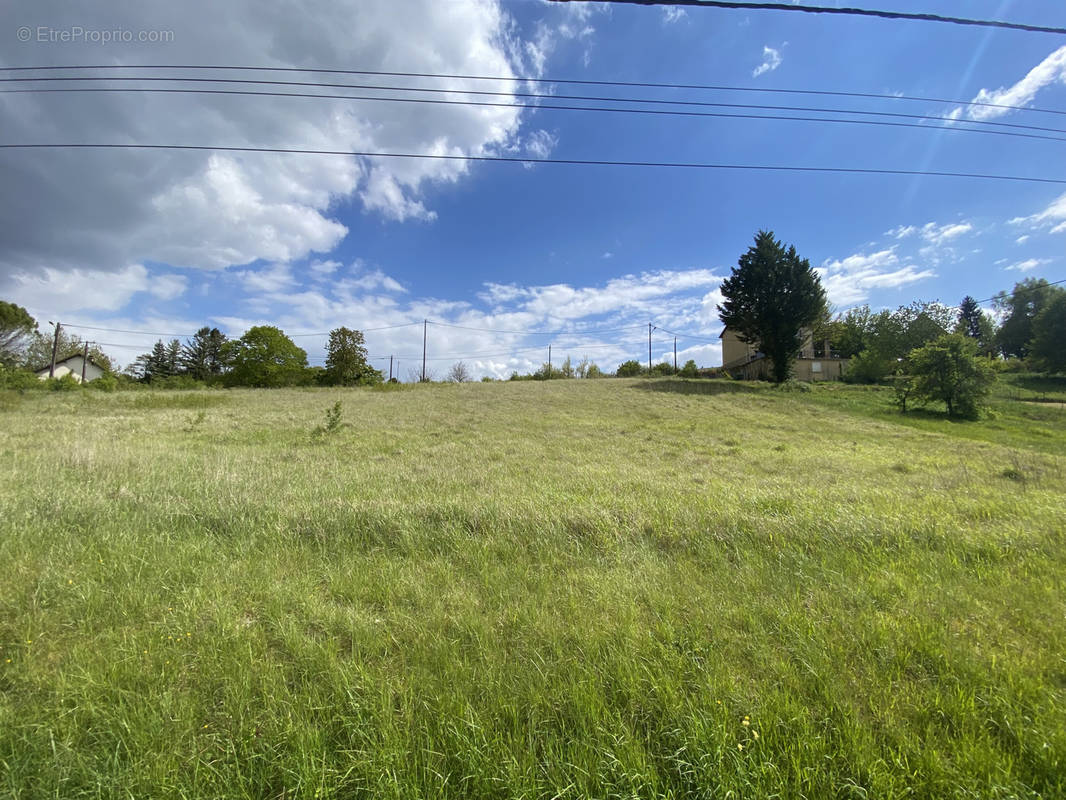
[649, 348]
[84, 361]
[55, 347]
[425, 322]
[390, 369]
[549, 362]
[675, 355]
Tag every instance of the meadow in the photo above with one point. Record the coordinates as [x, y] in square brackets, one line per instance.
[612, 588]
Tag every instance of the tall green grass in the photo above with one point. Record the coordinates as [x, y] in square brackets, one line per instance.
[561, 589]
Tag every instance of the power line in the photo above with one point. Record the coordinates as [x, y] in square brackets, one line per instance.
[956, 126]
[864, 12]
[1023, 290]
[479, 92]
[685, 335]
[520, 160]
[535, 80]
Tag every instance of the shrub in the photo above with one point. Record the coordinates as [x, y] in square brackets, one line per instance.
[948, 370]
[629, 369]
[21, 379]
[689, 370]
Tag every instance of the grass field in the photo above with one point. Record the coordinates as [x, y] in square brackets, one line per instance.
[568, 589]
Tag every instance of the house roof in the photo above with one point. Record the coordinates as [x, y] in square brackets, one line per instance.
[69, 358]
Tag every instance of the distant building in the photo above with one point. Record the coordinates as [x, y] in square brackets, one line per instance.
[816, 361]
[72, 365]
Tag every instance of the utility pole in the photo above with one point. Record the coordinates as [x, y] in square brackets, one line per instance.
[390, 369]
[84, 361]
[55, 347]
[425, 322]
[675, 355]
[549, 362]
[649, 348]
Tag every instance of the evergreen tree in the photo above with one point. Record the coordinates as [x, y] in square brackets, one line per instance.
[201, 356]
[770, 296]
[970, 318]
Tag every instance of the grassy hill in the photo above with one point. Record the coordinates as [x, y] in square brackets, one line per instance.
[577, 588]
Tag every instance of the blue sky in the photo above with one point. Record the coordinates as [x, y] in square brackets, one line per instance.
[164, 242]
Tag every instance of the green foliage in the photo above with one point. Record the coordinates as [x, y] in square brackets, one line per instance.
[333, 420]
[265, 357]
[38, 354]
[203, 356]
[770, 296]
[629, 369]
[105, 383]
[346, 360]
[662, 368]
[67, 383]
[16, 330]
[21, 379]
[1021, 308]
[1048, 345]
[869, 366]
[949, 370]
[689, 370]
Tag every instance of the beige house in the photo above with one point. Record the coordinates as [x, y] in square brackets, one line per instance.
[816, 361]
[72, 365]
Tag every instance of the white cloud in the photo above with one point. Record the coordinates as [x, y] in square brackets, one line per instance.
[771, 61]
[902, 232]
[539, 144]
[102, 210]
[51, 293]
[850, 280]
[323, 268]
[629, 293]
[938, 235]
[271, 279]
[1028, 264]
[607, 254]
[1052, 218]
[1051, 70]
[1022, 239]
[672, 14]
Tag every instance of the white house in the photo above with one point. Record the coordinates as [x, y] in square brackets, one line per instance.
[72, 365]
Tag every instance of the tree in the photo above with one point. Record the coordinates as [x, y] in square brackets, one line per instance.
[38, 353]
[970, 314]
[770, 296]
[1020, 308]
[265, 356]
[346, 360]
[459, 373]
[689, 370]
[1048, 345]
[629, 369]
[201, 356]
[16, 332]
[948, 370]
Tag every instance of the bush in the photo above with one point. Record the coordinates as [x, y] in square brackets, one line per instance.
[105, 383]
[629, 369]
[869, 367]
[67, 383]
[21, 379]
[948, 370]
[689, 370]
